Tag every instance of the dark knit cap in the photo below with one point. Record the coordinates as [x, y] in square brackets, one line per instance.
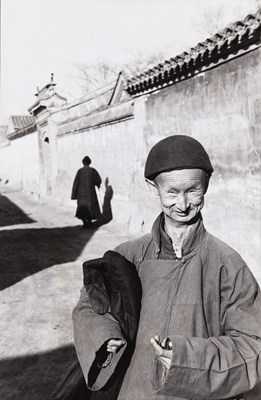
[176, 152]
[86, 160]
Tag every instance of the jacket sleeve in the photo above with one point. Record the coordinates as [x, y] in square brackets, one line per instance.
[75, 187]
[219, 367]
[91, 331]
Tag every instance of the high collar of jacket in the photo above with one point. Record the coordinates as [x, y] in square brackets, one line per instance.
[192, 242]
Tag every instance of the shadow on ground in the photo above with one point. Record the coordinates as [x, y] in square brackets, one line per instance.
[35, 377]
[11, 214]
[27, 251]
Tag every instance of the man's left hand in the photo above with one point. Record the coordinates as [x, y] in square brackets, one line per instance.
[163, 350]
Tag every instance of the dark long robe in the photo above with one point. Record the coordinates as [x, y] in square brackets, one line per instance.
[83, 191]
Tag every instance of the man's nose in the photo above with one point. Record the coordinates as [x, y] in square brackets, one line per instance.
[182, 203]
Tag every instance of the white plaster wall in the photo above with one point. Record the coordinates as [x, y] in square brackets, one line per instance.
[11, 165]
[30, 163]
[19, 164]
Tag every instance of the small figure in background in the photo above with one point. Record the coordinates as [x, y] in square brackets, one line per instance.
[84, 192]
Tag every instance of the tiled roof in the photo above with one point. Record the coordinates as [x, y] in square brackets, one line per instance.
[235, 39]
[20, 125]
[21, 121]
[89, 103]
[106, 115]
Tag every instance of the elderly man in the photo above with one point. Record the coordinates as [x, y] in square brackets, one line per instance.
[199, 334]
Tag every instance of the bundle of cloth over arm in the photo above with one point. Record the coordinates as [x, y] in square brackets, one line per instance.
[111, 287]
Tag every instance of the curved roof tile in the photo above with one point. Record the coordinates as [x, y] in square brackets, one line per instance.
[237, 36]
[21, 121]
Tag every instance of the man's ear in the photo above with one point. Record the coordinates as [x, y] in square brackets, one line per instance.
[207, 178]
[152, 188]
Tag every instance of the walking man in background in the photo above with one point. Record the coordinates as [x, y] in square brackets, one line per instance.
[84, 192]
[199, 334]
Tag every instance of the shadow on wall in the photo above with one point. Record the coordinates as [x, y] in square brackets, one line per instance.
[106, 207]
[10, 214]
[106, 212]
[27, 251]
[35, 376]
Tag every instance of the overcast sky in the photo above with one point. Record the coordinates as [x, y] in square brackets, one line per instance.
[39, 37]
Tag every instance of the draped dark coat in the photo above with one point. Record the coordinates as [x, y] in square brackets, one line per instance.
[114, 289]
[83, 191]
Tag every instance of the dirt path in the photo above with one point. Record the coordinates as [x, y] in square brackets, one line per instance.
[42, 247]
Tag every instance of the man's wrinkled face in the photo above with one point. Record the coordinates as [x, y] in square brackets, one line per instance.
[181, 193]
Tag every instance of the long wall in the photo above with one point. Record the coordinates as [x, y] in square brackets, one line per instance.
[220, 107]
[19, 163]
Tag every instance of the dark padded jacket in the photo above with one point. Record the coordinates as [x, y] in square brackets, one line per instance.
[208, 303]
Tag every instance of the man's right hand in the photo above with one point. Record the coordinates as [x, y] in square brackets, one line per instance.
[105, 354]
[114, 345]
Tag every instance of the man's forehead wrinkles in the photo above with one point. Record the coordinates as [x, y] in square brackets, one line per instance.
[184, 177]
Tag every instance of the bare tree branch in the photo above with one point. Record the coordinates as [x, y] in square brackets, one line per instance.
[91, 77]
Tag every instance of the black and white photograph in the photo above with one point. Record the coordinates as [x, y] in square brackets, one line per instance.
[130, 200]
